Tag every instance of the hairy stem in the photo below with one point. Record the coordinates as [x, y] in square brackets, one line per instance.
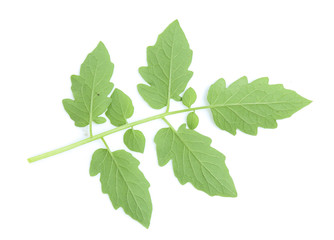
[117, 129]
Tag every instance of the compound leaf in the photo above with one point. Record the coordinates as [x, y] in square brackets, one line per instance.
[189, 97]
[167, 71]
[247, 106]
[134, 140]
[91, 88]
[125, 184]
[242, 105]
[194, 160]
[120, 109]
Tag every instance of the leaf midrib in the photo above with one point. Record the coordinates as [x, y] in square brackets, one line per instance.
[92, 98]
[124, 179]
[252, 103]
[170, 72]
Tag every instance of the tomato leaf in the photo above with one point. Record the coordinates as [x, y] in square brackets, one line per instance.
[125, 184]
[91, 88]
[247, 106]
[192, 120]
[194, 160]
[120, 109]
[134, 140]
[189, 97]
[167, 71]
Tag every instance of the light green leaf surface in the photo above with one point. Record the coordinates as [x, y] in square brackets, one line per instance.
[120, 109]
[189, 97]
[91, 88]
[125, 184]
[192, 120]
[194, 160]
[247, 106]
[167, 71]
[134, 140]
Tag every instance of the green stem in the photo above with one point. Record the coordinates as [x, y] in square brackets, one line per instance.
[168, 123]
[105, 144]
[117, 129]
[90, 129]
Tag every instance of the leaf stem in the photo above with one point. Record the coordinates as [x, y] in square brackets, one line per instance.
[90, 129]
[114, 130]
[105, 144]
[169, 124]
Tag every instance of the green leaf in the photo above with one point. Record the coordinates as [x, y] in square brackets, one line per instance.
[125, 184]
[91, 88]
[194, 160]
[247, 106]
[134, 140]
[192, 120]
[167, 71]
[242, 105]
[120, 109]
[189, 97]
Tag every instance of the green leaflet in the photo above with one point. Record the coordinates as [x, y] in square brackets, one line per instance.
[247, 106]
[134, 140]
[91, 88]
[167, 71]
[120, 109]
[189, 97]
[194, 160]
[192, 120]
[125, 184]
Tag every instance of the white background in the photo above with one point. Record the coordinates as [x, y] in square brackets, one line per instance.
[284, 176]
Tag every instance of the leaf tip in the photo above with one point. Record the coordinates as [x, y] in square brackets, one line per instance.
[176, 22]
[307, 102]
[182, 127]
[146, 224]
[101, 44]
[234, 194]
[221, 82]
[262, 80]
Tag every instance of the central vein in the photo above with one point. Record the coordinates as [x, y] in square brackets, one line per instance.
[91, 106]
[170, 74]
